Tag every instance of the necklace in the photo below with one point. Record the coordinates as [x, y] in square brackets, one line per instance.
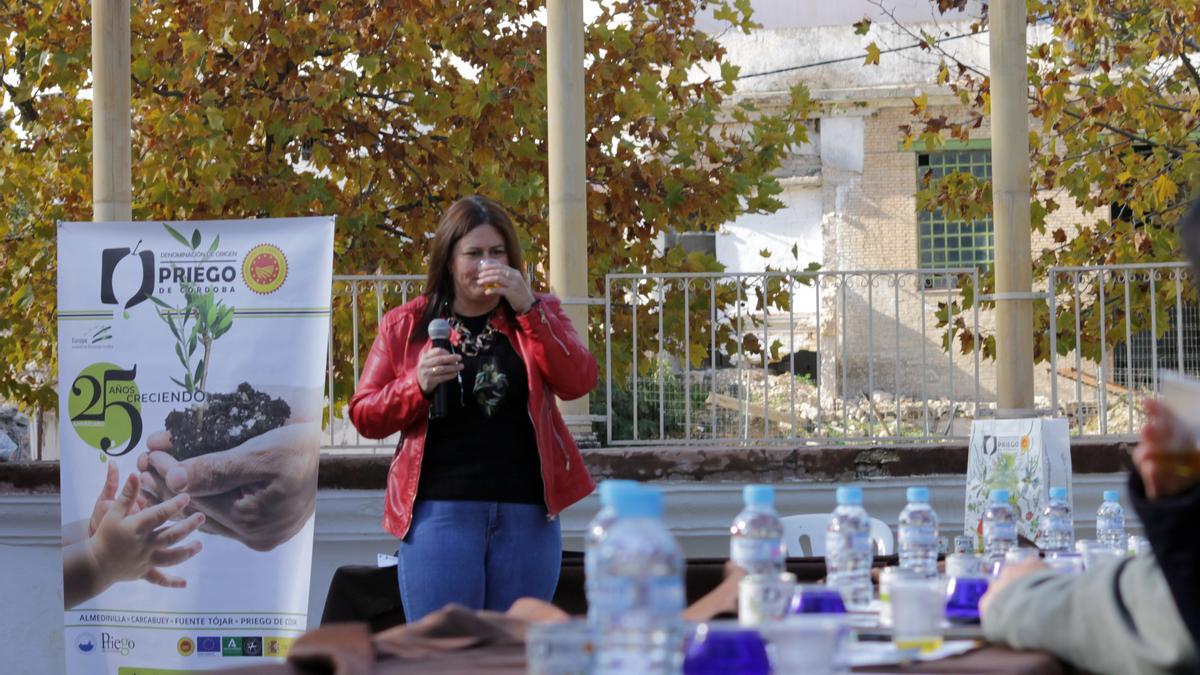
[471, 344]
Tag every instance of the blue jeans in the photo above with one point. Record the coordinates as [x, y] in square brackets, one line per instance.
[483, 555]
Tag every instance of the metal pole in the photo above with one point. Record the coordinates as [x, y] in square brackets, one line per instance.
[111, 103]
[1010, 209]
[567, 179]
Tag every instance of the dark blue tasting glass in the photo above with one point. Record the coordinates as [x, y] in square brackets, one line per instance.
[962, 603]
[716, 649]
[817, 599]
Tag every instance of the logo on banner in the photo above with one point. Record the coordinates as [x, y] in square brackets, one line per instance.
[85, 643]
[112, 644]
[110, 258]
[185, 646]
[252, 646]
[264, 269]
[208, 645]
[231, 646]
[277, 646]
[105, 408]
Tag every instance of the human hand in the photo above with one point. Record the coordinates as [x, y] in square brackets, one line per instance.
[128, 545]
[509, 283]
[435, 366]
[1166, 456]
[106, 498]
[1009, 574]
[261, 492]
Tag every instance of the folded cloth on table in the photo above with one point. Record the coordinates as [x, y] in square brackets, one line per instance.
[448, 641]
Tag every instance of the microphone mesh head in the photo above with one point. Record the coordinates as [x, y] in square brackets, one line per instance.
[439, 329]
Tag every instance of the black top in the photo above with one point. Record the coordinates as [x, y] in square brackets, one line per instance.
[1170, 525]
[485, 449]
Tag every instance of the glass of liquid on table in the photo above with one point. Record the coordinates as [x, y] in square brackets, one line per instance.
[918, 611]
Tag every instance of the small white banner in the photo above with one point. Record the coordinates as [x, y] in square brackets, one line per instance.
[191, 367]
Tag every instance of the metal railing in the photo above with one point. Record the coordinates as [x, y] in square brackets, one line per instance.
[825, 356]
[1120, 325]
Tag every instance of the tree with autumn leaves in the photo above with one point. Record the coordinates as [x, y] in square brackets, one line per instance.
[1114, 101]
[381, 113]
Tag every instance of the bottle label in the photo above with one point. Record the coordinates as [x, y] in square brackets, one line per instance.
[837, 543]
[748, 553]
[923, 535]
[1110, 523]
[667, 596]
[1004, 531]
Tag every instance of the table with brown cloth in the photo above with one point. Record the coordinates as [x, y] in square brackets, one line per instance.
[457, 641]
[372, 594]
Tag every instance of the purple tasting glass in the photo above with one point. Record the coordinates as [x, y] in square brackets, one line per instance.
[817, 599]
[962, 603]
[720, 648]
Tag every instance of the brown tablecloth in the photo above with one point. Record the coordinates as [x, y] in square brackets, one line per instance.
[461, 642]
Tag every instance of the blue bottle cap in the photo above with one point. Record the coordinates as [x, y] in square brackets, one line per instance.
[1058, 494]
[644, 502]
[609, 488]
[759, 495]
[1112, 496]
[999, 496]
[849, 495]
[918, 494]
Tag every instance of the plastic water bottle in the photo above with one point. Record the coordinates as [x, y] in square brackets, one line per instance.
[999, 528]
[848, 551]
[1058, 533]
[919, 534]
[756, 536]
[636, 596]
[1110, 521]
[597, 530]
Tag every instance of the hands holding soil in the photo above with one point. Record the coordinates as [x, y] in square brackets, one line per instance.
[260, 492]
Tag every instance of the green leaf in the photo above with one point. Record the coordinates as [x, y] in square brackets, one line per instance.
[199, 377]
[181, 384]
[862, 27]
[182, 359]
[178, 237]
[216, 242]
[195, 239]
[191, 345]
[170, 324]
[160, 303]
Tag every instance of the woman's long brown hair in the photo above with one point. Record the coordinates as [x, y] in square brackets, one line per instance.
[463, 216]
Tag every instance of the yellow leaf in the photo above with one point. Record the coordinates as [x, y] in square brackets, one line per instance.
[920, 103]
[872, 55]
[1165, 190]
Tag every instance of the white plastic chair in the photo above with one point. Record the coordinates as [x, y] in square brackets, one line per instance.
[804, 535]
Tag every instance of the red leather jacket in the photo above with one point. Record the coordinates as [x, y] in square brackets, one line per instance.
[388, 400]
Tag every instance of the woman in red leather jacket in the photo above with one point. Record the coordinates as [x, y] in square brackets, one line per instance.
[474, 496]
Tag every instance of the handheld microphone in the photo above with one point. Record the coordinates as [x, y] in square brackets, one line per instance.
[439, 335]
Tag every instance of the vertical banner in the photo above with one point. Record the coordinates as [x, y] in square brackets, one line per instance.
[1027, 457]
[191, 366]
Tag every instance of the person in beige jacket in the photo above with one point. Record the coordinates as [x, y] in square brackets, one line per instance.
[1116, 618]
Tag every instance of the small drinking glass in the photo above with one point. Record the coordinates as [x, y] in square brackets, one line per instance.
[486, 264]
[720, 648]
[962, 603]
[1097, 553]
[817, 599]
[563, 648]
[918, 609]
[1138, 545]
[812, 644]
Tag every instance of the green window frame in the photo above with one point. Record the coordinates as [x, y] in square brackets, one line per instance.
[943, 242]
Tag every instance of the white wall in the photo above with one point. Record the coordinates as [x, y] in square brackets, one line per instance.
[804, 13]
[347, 532]
[797, 224]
